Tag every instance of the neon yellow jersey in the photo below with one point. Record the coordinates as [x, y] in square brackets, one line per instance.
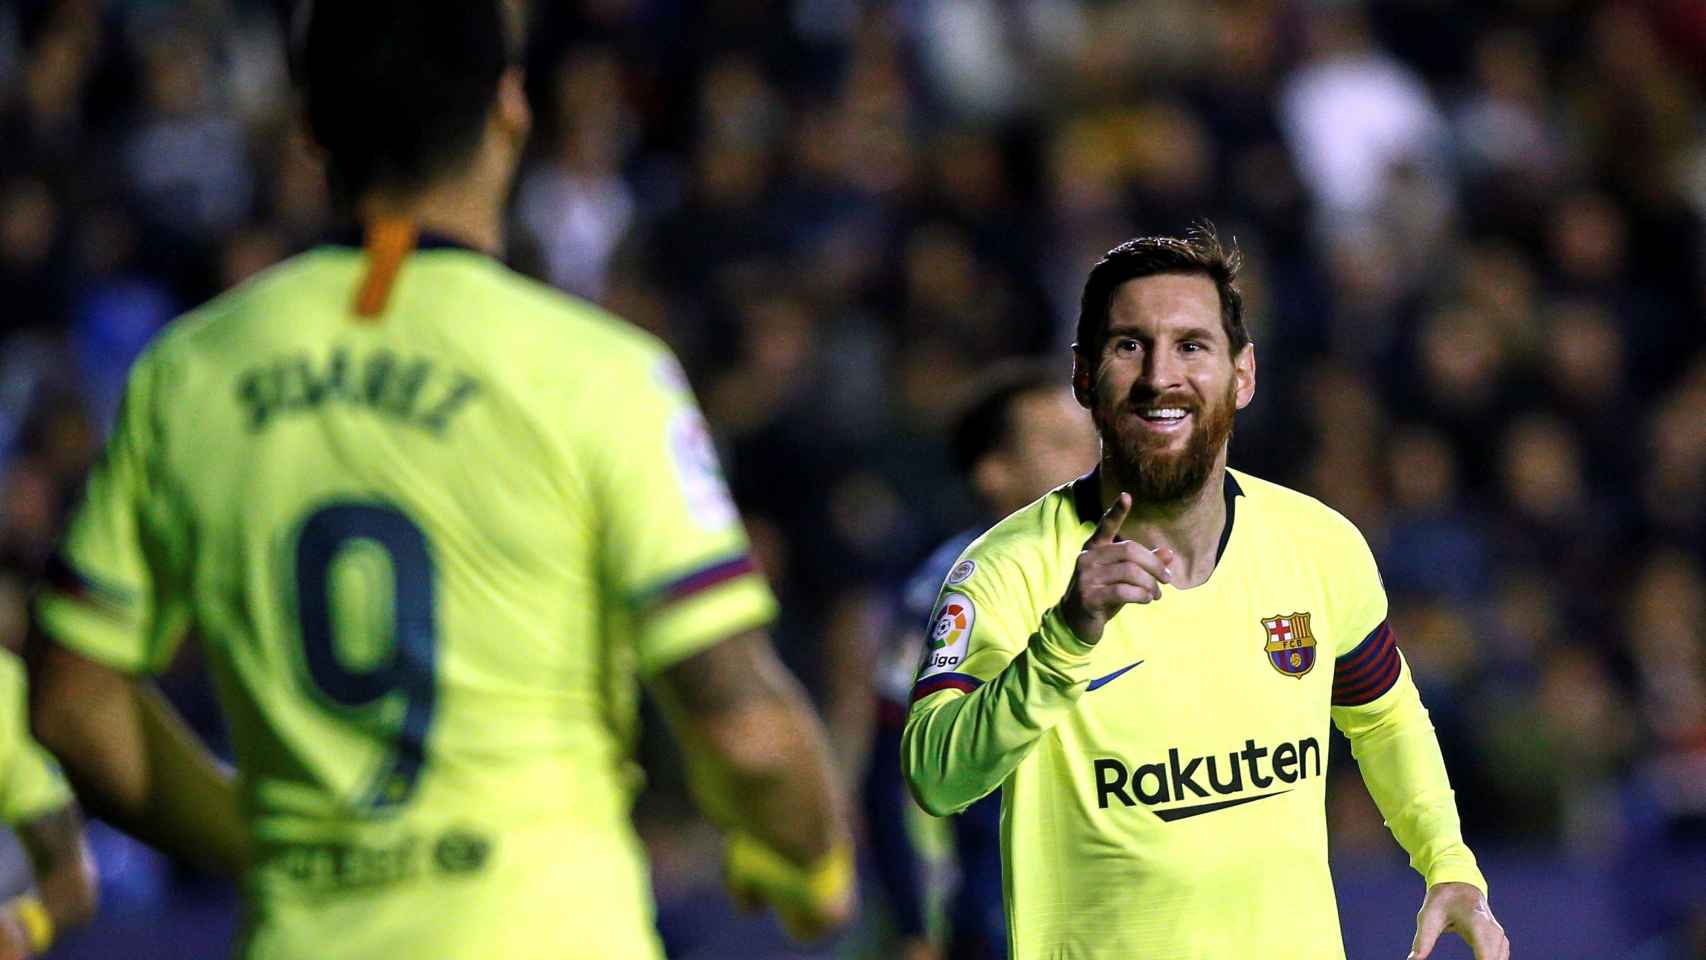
[31, 785]
[1163, 790]
[428, 556]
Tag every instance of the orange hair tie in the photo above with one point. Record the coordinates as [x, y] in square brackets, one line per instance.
[387, 242]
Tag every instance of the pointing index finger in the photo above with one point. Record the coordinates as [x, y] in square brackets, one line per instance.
[1110, 524]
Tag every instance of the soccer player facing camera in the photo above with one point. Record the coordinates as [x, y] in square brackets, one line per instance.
[1145, 662]
[431, 523]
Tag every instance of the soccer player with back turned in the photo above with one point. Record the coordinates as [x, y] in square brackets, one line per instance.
[1145, 663]
[430, 523]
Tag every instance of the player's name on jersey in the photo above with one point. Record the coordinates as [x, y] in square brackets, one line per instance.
[1181, 778]
[411, 390]
[344, 866]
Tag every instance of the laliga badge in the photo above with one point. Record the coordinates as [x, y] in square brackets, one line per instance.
[950, 635]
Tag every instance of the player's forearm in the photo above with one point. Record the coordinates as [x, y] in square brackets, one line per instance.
[62, 866]
[754, 747]
[135, 764]
[956, 749]
[1398, 753]
[766, 772]
[180, 799]
[69, 893]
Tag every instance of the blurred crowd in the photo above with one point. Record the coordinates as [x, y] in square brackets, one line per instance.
[1476, 280]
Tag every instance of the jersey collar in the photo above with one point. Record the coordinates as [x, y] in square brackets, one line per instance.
[351, 235]
[1087, 500]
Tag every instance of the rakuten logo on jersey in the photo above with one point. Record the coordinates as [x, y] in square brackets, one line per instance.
[1230, 774]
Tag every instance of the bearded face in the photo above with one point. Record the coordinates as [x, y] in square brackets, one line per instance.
[1164, 387]
[1156, 467]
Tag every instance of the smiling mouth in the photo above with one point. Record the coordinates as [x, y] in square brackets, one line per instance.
[1162, 417]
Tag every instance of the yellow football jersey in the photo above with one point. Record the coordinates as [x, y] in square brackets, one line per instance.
[428, 555]
[1163, 790]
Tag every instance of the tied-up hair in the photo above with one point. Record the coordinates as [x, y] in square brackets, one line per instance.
[1198, 252]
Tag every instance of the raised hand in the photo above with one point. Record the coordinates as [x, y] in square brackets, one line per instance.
[1111, 573]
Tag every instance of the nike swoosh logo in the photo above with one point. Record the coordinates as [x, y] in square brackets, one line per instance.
[1180, 813]
[1099, 681]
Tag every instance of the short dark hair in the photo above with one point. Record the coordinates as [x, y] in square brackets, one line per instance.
[397, 91]
[985, 419]
[1199, 251]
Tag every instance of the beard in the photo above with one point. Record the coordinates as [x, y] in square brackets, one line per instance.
[1140, 461]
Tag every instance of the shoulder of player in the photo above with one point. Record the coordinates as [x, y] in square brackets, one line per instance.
[1299, 515]
[921, 587]
[1030, 541]
[223, 315]
[573, 323]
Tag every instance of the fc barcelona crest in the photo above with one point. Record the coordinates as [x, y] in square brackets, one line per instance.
[1290, 647]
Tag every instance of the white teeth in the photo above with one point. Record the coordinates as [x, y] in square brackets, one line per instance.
[1165, 413]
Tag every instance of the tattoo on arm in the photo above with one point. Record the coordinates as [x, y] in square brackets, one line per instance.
[756, 749]
[740, 672]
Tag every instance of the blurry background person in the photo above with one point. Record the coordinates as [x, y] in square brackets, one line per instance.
[1019, 435]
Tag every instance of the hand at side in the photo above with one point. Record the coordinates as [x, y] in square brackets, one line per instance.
[1463, 910]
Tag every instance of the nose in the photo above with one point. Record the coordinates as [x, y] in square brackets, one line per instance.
[1162, 370]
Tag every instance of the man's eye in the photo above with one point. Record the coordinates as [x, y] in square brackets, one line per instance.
[1125, 345]
[1190, 346]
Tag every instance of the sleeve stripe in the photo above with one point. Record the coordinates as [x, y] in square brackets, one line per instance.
[1365, 695]
[963, 682]
[1351, 678]
[69, 582]
[1367, 652]
[698, 581]
[1367, 672]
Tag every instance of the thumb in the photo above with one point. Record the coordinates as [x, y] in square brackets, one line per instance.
[1110, 524]
[1428, 928]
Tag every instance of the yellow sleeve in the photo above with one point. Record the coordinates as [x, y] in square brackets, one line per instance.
[995, 677]
[109, 595]
[1377, 707]
[31, 785]
[672, 544]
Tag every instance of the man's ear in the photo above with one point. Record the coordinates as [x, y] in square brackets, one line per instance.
[1081, 380]
[989, 477]
[512, 111]
[1244, 373]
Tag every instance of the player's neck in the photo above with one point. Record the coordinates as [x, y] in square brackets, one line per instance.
[1191, 527]
[460, 209]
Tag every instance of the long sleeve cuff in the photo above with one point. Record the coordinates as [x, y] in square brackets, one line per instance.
[1457, 868]
[1062, 659]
